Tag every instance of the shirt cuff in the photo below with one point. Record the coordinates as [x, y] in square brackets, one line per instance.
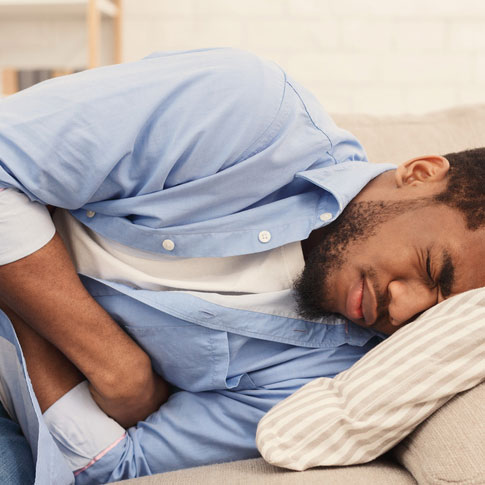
[25, 226]
[81, 430]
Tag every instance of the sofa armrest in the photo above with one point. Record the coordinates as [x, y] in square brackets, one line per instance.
[449, 447]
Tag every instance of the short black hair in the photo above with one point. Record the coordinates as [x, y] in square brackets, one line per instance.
[465, 189]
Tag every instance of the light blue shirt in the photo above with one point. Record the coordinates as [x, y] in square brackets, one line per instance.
[207, 149]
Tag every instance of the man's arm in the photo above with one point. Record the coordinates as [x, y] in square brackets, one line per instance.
[44, 289]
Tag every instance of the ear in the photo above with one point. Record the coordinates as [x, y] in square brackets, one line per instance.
[414, 172]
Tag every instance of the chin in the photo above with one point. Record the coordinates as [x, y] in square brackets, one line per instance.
[388, 329]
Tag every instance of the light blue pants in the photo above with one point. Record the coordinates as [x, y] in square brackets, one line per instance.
[16, 463]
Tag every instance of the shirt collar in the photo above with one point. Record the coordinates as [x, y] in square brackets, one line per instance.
[345, 180]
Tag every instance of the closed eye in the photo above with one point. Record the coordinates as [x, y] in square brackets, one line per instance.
[446, 278]
[428, 271]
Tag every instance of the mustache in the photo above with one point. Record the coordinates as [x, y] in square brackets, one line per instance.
[382, 314]
[382, 298]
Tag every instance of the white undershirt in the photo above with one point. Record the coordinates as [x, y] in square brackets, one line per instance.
[26, 226]
[96, 256]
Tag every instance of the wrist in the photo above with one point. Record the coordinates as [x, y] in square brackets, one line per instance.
[126, 380]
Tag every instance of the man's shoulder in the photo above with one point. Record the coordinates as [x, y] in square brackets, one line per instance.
[226, 70]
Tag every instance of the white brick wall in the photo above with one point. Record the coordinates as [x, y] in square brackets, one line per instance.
[49, 43]
[374, 56]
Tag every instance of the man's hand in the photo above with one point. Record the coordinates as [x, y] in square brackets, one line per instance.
[45, 291]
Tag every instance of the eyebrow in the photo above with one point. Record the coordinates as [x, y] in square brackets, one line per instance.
[446, 278]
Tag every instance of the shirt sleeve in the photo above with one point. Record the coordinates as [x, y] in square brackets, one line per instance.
[191, 429]
[368, 408]
[25, 226]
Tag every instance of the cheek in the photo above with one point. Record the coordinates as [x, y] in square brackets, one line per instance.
[378, 257]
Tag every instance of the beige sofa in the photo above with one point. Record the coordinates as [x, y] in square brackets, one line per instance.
[449, 447]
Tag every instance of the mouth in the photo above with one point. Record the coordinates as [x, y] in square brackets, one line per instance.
[353, 304]
[369, 303]
[361, 304]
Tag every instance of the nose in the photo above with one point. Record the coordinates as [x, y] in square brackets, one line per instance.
[408, 300]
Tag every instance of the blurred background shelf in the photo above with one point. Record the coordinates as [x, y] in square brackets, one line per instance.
[63, 8]
[64, 36]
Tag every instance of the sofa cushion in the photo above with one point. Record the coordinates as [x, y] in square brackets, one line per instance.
[398, 138]
[449, 447]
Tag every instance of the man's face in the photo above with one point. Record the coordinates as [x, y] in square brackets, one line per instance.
[383, 263]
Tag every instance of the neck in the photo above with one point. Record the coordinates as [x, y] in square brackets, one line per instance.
[382, 187]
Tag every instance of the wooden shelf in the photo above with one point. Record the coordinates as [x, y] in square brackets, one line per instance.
[56, 8]
[91, 12]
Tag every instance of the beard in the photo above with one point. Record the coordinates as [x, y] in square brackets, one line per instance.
[357, 223]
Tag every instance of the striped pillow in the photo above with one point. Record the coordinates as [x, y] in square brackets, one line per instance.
[367, 409]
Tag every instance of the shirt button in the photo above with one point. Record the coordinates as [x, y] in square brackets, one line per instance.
[326, 216]
[264, 236]
[90, 214]
[168, 244]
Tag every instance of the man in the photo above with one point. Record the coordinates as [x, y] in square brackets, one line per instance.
[198, 185]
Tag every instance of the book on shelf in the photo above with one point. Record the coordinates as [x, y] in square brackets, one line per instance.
[14, 80]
